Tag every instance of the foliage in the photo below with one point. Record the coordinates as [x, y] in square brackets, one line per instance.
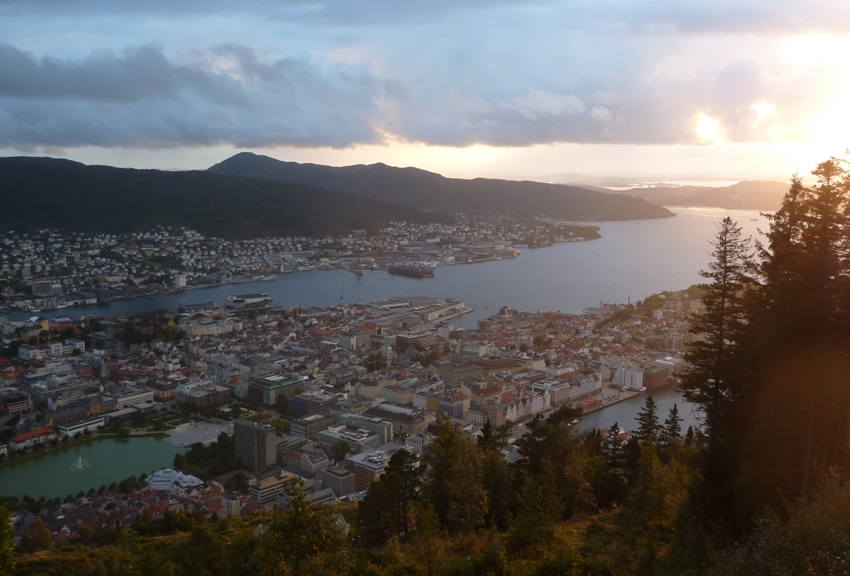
[8, 558]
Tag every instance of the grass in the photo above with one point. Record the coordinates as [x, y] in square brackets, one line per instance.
[280, 426]
[259, 417]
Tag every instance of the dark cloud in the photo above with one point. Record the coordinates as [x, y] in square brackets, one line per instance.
[140, 98]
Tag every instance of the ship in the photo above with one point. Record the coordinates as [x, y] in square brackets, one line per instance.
[411, 271]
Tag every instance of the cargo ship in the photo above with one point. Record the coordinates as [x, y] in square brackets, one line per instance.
[411, 271]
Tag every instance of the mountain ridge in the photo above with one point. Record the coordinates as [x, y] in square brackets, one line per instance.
[431, 191]
[60, 193]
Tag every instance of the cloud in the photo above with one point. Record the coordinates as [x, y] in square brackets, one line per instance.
[334, 73]
[538, 103]
[600, 113]
[229, 94]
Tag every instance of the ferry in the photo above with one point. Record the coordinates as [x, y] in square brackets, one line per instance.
[411, 271]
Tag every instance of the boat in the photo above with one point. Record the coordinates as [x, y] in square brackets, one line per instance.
[411, 271]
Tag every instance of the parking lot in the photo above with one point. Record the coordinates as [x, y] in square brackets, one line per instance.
[193, 432]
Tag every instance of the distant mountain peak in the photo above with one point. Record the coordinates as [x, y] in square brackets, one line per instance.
[425, 190]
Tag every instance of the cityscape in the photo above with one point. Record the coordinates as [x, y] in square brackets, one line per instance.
[491, 288]
[292, 386]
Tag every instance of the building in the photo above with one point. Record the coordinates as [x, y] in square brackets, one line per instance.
[314, 402]
[248, 301]
[368, 467]
[655, 376]
[202, 393]
[303, 462]
[267, 490]
[340, 480]
[559, 392]
[91, 424]
[27, 439]
[476, 349]
[168, 480]
[265, 390]
[358, 439]
[405, 420]
[380, 426]
[254, 444]
[454, 374]
[14, 402]
[674, 365]
[127, 395]
[423, 339]
[416, 443]
[629, 377]
[163, 391]
[310, 426]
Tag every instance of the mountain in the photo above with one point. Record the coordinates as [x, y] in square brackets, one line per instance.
[51, 193]
[430, 191]
[754, 195]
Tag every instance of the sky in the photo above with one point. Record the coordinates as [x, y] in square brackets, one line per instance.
[499, 88]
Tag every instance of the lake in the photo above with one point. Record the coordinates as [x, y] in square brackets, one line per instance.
[54, 474]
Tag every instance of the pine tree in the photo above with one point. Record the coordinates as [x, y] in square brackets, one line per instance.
[649, 429]
[672, 426]
[799, 402]
[710, 381]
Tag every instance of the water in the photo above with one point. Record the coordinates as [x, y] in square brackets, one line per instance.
[57, 474]
[632, 259]
[624, 414]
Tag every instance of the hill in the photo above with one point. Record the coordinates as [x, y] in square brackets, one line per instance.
[51, 193]
[753, 195]
[430, 191]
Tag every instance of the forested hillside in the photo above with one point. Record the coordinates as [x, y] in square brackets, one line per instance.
[430, 191]
[50, 193]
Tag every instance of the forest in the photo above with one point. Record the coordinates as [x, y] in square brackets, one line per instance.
[758, 488]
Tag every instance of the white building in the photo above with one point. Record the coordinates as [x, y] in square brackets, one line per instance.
[168, 480]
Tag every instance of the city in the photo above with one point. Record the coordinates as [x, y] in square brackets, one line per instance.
[325, 394]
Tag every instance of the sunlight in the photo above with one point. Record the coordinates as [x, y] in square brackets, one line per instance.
[828, 128]
[708, 129]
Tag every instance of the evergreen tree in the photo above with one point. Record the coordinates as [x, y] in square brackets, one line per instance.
[672, 426]
[714, 380]
[799, 400]
[649, 430]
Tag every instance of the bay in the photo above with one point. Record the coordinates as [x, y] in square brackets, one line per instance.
[631, 260]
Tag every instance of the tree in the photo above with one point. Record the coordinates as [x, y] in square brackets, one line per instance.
[456, 481]
[281, 402]
[710, 380]
[798, 402]
[672, 426]
[340, 450]
[8, 559]
[494, 438]
[428, 545]
[36, 537]
[714, 380]
[179, 461]
[126, 485]
[649, 429]
[297, 536]
[661, 488]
